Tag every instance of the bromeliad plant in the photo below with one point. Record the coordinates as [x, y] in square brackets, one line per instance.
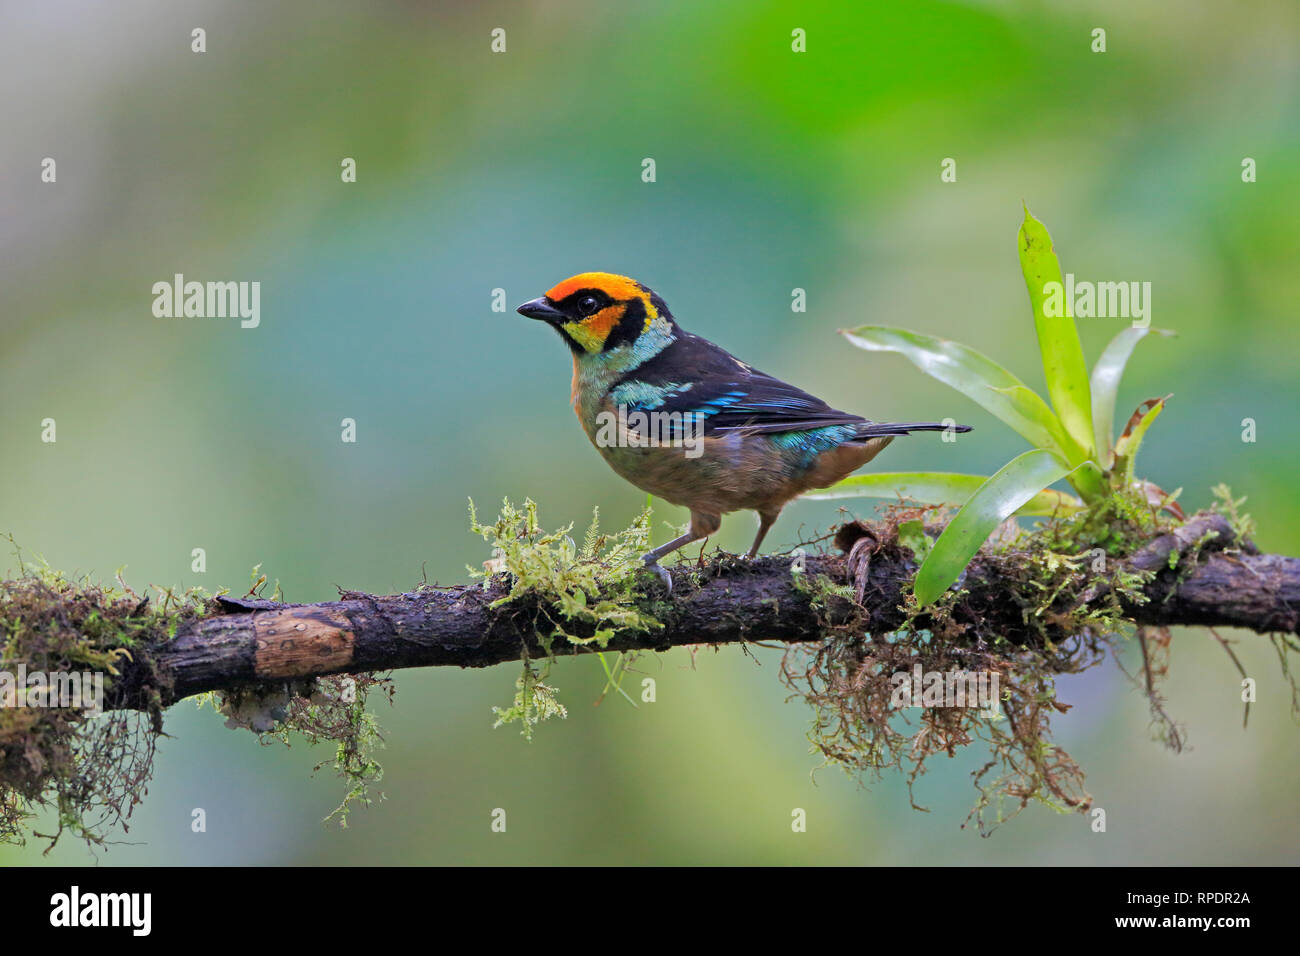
[1073, 438]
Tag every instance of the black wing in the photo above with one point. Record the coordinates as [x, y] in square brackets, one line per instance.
[694, 376]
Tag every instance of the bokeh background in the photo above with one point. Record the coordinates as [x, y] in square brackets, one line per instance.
[478, 171]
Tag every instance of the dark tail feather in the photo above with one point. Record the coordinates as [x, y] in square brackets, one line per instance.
[897, 429]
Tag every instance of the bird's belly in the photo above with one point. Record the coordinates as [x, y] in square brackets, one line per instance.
[730, 473]
[713, 481]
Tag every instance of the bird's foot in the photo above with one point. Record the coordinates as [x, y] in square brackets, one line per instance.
[652, 565]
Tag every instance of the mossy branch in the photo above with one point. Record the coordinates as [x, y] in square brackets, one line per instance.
[1028, 608]
[725, 601]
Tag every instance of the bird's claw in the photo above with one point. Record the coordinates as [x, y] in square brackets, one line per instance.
[664, 576]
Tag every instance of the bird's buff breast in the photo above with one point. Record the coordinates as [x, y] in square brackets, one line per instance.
[714, 475]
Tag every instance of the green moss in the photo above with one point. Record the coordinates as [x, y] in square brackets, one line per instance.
[88, 772]
[336, 710]
[534, 701]
[1118, 524]
[592, 586]
[578, 595]
[1243, 525]
[821, 591]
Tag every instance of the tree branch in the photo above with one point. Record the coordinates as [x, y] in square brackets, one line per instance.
[726, 602]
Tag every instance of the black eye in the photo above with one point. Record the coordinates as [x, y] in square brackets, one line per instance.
[588, 305]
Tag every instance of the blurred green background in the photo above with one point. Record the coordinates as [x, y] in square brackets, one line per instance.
[478, 171]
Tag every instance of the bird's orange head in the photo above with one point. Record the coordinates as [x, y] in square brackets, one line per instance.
[598, 311]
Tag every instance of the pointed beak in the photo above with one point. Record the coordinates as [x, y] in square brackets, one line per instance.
[541, 309]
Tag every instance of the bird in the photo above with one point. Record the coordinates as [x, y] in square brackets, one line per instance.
[685, 420]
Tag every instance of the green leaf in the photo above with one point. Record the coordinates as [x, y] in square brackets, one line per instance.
[911, 534]
[1106, 375]
[1087, 481]
[1058, 338]
[938, 488]
[1015, 484]
[973, 374]
[1061, 440]
[1126, 448]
